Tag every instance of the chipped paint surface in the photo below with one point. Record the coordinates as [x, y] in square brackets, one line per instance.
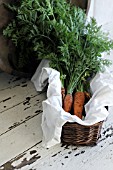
[21, 134]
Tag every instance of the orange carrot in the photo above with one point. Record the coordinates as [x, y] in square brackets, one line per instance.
[63, 95]
[68, 101]
[79, 99]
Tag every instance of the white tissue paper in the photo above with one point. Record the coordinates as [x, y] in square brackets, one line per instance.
[54, 117]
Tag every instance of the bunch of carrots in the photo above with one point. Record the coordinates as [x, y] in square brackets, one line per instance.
[76, 89]
[74, 103]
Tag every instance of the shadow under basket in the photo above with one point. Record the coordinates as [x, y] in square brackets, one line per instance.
[76, 134]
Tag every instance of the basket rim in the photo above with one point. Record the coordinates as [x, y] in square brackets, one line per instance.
[95, 124]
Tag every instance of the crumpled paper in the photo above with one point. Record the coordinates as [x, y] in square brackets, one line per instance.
[54, 117]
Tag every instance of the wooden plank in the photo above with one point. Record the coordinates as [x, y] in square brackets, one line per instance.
[102, 160]
[10, 81]
[20, 139]
[10, 98]
[20, 113]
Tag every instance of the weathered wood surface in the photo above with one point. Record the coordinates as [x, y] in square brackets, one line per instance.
[21, 134]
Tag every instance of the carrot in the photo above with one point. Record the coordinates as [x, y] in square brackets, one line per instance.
[79, 99]
[63, 92]
[68, 101]
[63, 95]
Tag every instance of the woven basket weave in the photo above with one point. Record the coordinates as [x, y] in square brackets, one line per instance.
[76, 134]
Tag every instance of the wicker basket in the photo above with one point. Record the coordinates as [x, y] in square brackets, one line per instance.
[76, 134]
